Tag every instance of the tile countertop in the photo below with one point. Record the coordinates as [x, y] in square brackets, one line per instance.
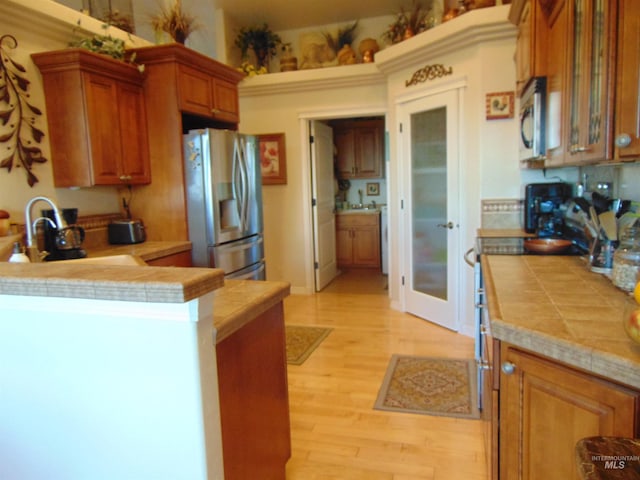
[108, 282]
[554, 306]
[149, 250]
[358, 211]
[240, 301]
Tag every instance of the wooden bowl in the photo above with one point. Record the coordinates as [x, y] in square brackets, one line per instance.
[546, 245]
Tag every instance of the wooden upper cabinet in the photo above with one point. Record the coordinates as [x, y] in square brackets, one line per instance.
[627, 121]
[546, 407]
[579, 48]
[359, 148]
[530, 43]
[204, 95]
[97, 119]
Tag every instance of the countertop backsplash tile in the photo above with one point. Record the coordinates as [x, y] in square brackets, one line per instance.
[503, 213]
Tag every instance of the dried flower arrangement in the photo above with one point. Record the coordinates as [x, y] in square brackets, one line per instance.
[18, 114]
[175, 21]
[410, 23]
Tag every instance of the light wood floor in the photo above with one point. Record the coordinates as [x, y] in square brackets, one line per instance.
[336, 433]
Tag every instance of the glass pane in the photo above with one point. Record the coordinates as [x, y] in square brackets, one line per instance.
[429, 201]
[597, 71]
[578, 44]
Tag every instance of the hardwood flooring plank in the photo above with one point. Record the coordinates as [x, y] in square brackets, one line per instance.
[336, 434]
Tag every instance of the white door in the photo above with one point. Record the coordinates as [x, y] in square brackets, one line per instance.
[429, 142]
[323, 191]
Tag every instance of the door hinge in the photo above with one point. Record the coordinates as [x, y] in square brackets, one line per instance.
[401, 204]
[314, 202]
[403, 280]
[401, 127]
[311, 139]
[316, 265]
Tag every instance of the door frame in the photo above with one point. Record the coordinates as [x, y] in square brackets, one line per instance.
[303, 121]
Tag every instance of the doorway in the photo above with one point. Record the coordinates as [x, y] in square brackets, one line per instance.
[359, 188]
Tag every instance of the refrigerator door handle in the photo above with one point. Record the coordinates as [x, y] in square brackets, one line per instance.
[246, 191]
[240, 181]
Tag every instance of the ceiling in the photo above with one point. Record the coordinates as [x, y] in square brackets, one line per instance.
[289, 15]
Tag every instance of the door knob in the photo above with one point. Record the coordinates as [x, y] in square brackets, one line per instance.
[446, 225]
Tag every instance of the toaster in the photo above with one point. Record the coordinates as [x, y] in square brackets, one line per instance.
[126, 232]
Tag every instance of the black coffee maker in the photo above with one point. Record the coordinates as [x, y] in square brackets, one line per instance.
[65, 243]
[542, 212]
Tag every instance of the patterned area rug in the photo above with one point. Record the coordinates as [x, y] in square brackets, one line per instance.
[301, 341]
[431, 386]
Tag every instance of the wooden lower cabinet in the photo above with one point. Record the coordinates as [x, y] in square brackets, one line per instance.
[358, 240]
[546, 407]
[254, 399]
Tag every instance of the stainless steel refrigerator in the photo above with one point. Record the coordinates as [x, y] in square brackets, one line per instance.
[224, 202]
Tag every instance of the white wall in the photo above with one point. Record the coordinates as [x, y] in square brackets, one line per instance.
[95, 389]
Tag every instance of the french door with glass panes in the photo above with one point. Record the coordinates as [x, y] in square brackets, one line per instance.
[429, 143]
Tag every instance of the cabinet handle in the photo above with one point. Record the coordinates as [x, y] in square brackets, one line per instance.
[508, 368]
[215, 111]
[484, 365]
[623, 140]
[577, 149]
[448, 225]
[125, 178]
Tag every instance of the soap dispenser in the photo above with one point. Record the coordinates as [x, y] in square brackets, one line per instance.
[18, 255]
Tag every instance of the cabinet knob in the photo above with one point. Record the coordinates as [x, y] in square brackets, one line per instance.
[508, 368]
[623, 140]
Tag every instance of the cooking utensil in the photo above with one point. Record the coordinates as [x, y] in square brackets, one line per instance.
[547, 245]
[600, 202]
[608, 222]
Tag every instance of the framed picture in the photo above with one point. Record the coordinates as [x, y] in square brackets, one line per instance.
[273, 161]
[373, 189]
[500, 105]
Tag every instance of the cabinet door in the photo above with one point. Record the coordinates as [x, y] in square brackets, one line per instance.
[368, 152]
[366, 246]
[345, 148]
[104, 131]
[134, 167]
[194, 91]
[545, 408]
[591, 80]
[225, 101]
[344, 246]
[524, 43]
[628, 86]
[555, 19]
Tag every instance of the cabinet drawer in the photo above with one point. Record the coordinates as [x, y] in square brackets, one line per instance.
[355, 220]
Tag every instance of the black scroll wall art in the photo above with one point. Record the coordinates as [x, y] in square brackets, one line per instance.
[18, 134]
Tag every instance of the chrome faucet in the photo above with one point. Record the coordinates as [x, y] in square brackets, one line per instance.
[32, 245]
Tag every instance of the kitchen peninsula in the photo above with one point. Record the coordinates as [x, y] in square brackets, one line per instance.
[564, 368]
[117, 371]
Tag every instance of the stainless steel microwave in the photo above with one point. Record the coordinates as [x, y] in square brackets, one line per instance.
[533, 106]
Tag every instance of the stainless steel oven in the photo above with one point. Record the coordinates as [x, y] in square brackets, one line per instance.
[481, 327]
[533, 106]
